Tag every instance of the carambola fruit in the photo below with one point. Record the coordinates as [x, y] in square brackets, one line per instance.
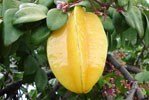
[77, 51]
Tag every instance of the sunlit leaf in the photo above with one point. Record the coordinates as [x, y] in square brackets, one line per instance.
[143, 76]
[41, 7]
[28, 14]
[56, 19]
[7, 4]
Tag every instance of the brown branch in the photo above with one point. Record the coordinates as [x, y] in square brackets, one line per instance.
[132, 91]
[110, 97]
[125, 73]
[122, 69]
[11, 88]
[139, 94]
[133, 69]
[140, 56]
[147, 49]
[55, 88]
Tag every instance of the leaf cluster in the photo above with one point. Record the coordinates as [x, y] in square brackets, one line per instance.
[25, 26]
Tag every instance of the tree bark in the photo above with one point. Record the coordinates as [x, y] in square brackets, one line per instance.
[125, 73]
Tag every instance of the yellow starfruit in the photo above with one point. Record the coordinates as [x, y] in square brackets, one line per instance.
[77, 51]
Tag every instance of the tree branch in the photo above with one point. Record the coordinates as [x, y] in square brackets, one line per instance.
[132, 91]
[122, 69]
[125, 73]
[133, 69]
[11, 88]
[110, 97]
[55, 88]
[16, 85]
[140, 56]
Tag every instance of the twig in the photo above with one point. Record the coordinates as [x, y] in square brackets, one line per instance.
[125, 73]
[55, 88]
[140, 56]
[16, 85]
[110, 97]
[133, 69]
[145, 46]
[50, 74]
[132, 91]
[139, 94]
[122, 69]
[11, 88]
[67, 94]
[93, 6]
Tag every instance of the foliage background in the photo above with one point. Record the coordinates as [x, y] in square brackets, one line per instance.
[23, 36]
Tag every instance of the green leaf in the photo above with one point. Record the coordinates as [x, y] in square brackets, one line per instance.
[28, 14]
[0, 10]
[17, 76]
[122, 3]
[42, 58]
[41, 7]
[7, 4]
[130, 35]
[85, 4]
[61, 91]
[23, 5]
[120, 98]
[40, 34]
[30, 65]
[10, 33]
[144, 3]
[146, 37]
[130, 4]
[33, 94]
[106, 1]
[112, 41]
[28, 78]
[1, 68]
[46, 3]
[56, 19]
[143, 76]
[134, 19]
[41, 80]
[119, 22]
[104, 82]
[25, 1]
[107, 24]
[111, 11]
